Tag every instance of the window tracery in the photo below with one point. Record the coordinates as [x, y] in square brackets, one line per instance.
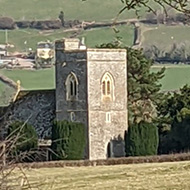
[107, 87]
[71, 87]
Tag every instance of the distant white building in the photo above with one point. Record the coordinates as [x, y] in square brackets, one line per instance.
[3, 50]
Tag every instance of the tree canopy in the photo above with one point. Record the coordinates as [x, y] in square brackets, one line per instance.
[173, 106]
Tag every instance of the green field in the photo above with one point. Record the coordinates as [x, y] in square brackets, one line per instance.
[89, 10]
[175, 76]
[32, 79]
[18, 38]
[93, 37]
[106, 35]
[162, 176]
[164, 36]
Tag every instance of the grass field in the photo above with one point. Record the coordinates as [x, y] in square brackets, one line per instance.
[175, 76]
[93, 37]
[163, 35]
[162, 176]
[18, 38]
[32, 79]
[105, 35]
[92, 10]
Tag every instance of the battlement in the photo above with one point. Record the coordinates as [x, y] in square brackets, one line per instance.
[70, 44]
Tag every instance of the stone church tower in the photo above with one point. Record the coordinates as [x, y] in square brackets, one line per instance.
[91, 87]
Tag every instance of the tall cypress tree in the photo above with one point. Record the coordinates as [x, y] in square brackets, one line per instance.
[68, 140]
[141, 139]
[143, 87]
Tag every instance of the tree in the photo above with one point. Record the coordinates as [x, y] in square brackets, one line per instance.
[7, 23]
[61, 17]
[68, 140]
[143, 87]
[141, 139]
[177, 139]
[174, 119]
[136, 5]
[171, 105]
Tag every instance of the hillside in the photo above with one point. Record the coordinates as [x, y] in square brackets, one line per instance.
[18, 37]
[91, 10]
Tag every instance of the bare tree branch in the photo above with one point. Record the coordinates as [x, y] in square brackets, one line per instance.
[178, 5]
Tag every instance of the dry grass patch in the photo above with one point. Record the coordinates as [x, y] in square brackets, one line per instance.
[166, 176]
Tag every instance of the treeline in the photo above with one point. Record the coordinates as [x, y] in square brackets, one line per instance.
[174, 122]
[151, 18]
[176, 53]
[168, 132]
[162, 18]
[10, 24]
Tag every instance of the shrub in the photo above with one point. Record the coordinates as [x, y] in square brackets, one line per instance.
[68, 140]
[46, 24]
[24, 135]
[141, 139]
[24, 24]
[177, 140]
[7, 23]
[72, 23]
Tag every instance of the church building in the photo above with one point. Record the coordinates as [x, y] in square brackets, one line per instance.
[91, 88]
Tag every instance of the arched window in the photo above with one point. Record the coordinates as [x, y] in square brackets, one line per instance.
[107, 87]
[71, 87]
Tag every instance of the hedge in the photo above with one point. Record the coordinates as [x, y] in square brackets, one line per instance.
[141, 139]
[68, 140]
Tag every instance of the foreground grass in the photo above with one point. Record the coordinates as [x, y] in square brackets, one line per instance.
[162, 176]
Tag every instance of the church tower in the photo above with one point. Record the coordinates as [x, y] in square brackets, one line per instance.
[91, 88]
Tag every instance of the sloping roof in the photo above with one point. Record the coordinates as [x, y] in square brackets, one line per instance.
[24, 92]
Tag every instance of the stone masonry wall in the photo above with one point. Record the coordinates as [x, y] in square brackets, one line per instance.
[35, 107]
[66, 62]
[101, 133]
[89, 66]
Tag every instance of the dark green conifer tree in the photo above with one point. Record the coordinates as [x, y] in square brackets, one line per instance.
[141, 139]
[61, 17]
[68, 140]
